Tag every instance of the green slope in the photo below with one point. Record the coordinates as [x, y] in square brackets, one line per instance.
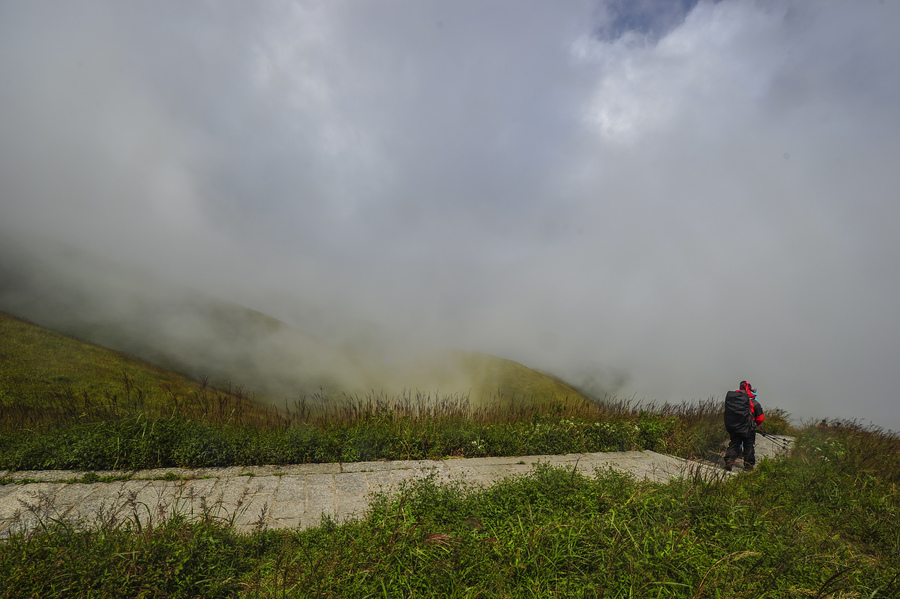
[47, 371]
[36, 362]
[509, 384]
[268, 359]
[182, 330]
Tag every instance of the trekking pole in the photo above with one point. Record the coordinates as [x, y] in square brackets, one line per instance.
[781, 443]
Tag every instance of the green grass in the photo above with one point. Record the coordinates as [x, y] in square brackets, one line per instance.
[820, 523]
[389, 430]
[48, 379]
[140, 443]
[506, 384]
[43, 372]
[38, 363]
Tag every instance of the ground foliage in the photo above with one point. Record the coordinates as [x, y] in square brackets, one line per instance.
[383, 430]
[819, 523]
[66, 404]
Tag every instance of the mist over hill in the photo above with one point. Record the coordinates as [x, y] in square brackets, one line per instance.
[658, 198]
[137, 311]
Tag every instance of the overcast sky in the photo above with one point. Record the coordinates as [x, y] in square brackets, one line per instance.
[685, 193]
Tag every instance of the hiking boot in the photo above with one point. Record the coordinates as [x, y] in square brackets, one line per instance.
[748, 467]
[729, 464]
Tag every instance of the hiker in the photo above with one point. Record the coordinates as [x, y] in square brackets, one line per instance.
[742, 415]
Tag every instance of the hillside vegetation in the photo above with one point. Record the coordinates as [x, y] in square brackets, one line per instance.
[67, 404]
[48, 379]
[145, 315]
[46, 369]
[819, 523]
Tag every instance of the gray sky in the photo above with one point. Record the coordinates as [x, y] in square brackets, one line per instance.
[688, 194]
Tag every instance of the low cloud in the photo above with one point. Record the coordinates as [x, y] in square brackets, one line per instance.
[689, 194]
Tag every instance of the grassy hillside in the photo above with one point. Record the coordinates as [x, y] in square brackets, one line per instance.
[145, 315]
[71, 405]
[230, 344]
[68, 404]
[484, 381]
[49, 378]
[37, 363]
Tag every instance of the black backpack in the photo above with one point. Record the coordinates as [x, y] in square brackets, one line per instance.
[737, 412]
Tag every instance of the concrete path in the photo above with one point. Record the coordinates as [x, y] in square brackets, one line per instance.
[255, 497]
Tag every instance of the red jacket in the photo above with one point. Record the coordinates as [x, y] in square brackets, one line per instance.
[756, 411]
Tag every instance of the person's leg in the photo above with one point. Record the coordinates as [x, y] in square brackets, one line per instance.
[750, 451]
[734, 449]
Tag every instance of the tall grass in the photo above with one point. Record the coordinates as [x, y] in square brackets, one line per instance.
[136, 430]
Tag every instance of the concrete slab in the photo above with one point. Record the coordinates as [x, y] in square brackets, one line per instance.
[152, 502]
[291, 489]
[289, 502]
[352, 483]
[99, 510]
[288, 510]
[75, 493]
[298, 469]
[377, 482]
[195, 487]
[7, 489]
[227, 472]
[497, 472]
[232, 491]
[9, 501]
[408, 476]
[228, 497]
[467, 475]
[193, 497]
[350, 506]
[37, 498]
[281, 523]
[320, 500]
[256, 512]
[5, 530]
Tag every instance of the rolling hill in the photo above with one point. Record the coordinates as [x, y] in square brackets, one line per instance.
[198, 336]
[36, 363]
[47, 378]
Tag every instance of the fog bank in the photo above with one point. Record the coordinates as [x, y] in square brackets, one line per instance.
[680, 195]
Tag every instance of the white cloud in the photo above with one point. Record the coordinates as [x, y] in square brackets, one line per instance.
[706, 198]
